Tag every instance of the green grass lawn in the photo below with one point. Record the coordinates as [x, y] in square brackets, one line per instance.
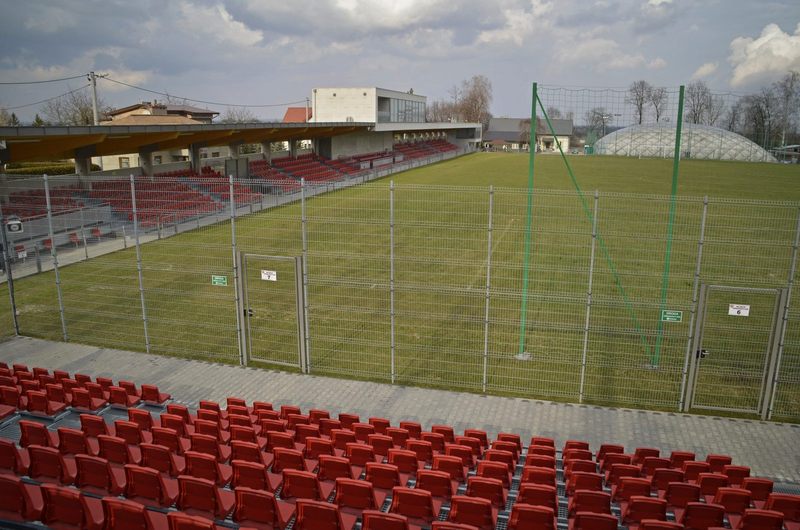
[440, 268]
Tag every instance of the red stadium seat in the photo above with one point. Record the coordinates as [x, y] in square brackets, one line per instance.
[75, 442]
[375, 520]
[524, 516]
[121, 514]
[152, 396]
[640, 508]
[760, 520]
[700, 516]
[593, 521]
[415, 504]
[355, 496]
[149, 487]
[312, 515]
[202, 465]
[201, 497]
[117, 451]
[95, 475]
[33, 433]
[759, 489]
[48, 465]
[13, 460]
[19, 501]
[260, 509]
[472, 511]
[66, 507]
[331, 468]
[170, 439]
[161, 458]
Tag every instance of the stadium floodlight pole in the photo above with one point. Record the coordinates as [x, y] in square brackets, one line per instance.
[528, 220]
[7, 266]
[676, 162]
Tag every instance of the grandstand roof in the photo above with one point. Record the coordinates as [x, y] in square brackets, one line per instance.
[149, 119]
[19, 144]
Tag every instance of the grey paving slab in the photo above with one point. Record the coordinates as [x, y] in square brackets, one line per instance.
[770, 449]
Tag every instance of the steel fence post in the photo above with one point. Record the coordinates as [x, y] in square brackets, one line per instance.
[54, 255]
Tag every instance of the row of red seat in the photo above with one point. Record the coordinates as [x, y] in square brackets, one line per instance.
[268, 449]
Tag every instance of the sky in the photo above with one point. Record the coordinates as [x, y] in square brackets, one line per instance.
[270, 52]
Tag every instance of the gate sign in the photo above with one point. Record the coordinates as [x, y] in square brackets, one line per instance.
[738, 310]
[222, 281]
[668, 315]
[269, 276]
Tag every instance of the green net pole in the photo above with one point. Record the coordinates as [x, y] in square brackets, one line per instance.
[676, 162]
[529, 219]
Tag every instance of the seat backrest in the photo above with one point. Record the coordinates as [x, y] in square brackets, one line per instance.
[662, 477]
[471, 510]
[575, 444]
[300, 485]
[710, 482]
[348, 419]
[630, 486]
[326, 425]
[294, 420]
[384, 476]
[677, 458]
[496, 470]
[615, 458]
[45, 462]
[761, 520]
[499, 455]
[314, 515]
[472, 443]
[539, 475]
[788, 505]
[606, 449]
[701, 515]
[9, 456]
[254, 505]
[332, 467]
[414, 428]
[416, 503]
[398, 435]
[342, 437]
[641, 507]
[736, 474]
[541, 461]
[128, 431]
[422, 448]
[375, 520]
[380, 424]
[62, 505]
[143, 482]
[157, 457]
[691, 469]
[92, 425]
[317, 446]
[359, 454]
[204, 443]
[289, 409]
[718, 462]
[167, 437]
[759, 488]
[314, 415]
[681, 493]
[538, 495]
[734, 500]
[406, 461]
[577, 454]
[444, 430]
[180, 410]
[93, 471]
[141, 417]
[362, 431]
[207, 428]
[13, 495]
[287, 459]
[643, 452]
[439, 483]
[305, 430]
[451, 464]
[487, 488]
[355, 493]
[276, 439]
[113, 449]
[595, 521]
[524, 516]
[247, 451]
[201, 465]
[436, 439]
[121, 514]
[580, 480]
[617, 471]
[652, 524]
[174, 422]
[249, 474]
[590, 501]
[651, 463]
[196, 493]
[71, 441]
[243, 433]
[465, 453]
[33, 433]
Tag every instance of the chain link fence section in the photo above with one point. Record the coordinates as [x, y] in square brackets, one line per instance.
[411, 284]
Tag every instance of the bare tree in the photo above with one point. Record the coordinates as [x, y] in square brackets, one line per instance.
[658, 100]
[476, 97]
[553, 113]
[716, 107]
[440, 111]
[788, 92]
[238, 115]
[638, 95]
[525, 131]
[762, 116]
[698, 98]
[733, 118]
[74, 108]
[598, 119]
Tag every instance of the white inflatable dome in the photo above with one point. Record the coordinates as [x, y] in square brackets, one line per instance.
[697, 142]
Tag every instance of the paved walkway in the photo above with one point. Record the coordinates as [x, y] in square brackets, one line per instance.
[770, 449]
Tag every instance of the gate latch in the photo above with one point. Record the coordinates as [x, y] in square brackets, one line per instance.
[701, 354]
[248, 312]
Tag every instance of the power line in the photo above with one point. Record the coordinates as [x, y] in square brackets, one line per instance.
[200, 100]
[46, 100]
[44, 81]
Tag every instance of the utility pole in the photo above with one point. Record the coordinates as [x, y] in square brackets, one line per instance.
[93, 80]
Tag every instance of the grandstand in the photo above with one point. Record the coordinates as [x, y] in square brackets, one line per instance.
[83, 445]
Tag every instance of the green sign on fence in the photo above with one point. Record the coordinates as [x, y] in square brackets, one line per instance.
[219, 280]
[668, 315]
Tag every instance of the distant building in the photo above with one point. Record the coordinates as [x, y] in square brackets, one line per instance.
[297, 115]
[156, 113]
[370, 104]
[513, 134]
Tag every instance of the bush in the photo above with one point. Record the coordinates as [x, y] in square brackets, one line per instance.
[50, 169]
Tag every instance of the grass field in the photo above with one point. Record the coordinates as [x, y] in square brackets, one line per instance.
[440, 252]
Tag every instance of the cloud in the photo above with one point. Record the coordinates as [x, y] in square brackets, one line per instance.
[705, 70]
[767, 57]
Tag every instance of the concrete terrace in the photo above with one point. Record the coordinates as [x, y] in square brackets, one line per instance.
[770, 449]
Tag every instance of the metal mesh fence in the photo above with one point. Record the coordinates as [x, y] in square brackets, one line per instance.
[411, 284]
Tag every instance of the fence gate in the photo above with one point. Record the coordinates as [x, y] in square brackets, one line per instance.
[272, 302]
[735, 348]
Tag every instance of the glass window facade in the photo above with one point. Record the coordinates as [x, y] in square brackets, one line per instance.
[393, 110]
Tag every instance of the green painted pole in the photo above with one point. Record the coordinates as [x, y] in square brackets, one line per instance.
[676, 162]
[528, 221]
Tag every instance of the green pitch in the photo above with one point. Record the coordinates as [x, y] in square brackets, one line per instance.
[440, 268]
